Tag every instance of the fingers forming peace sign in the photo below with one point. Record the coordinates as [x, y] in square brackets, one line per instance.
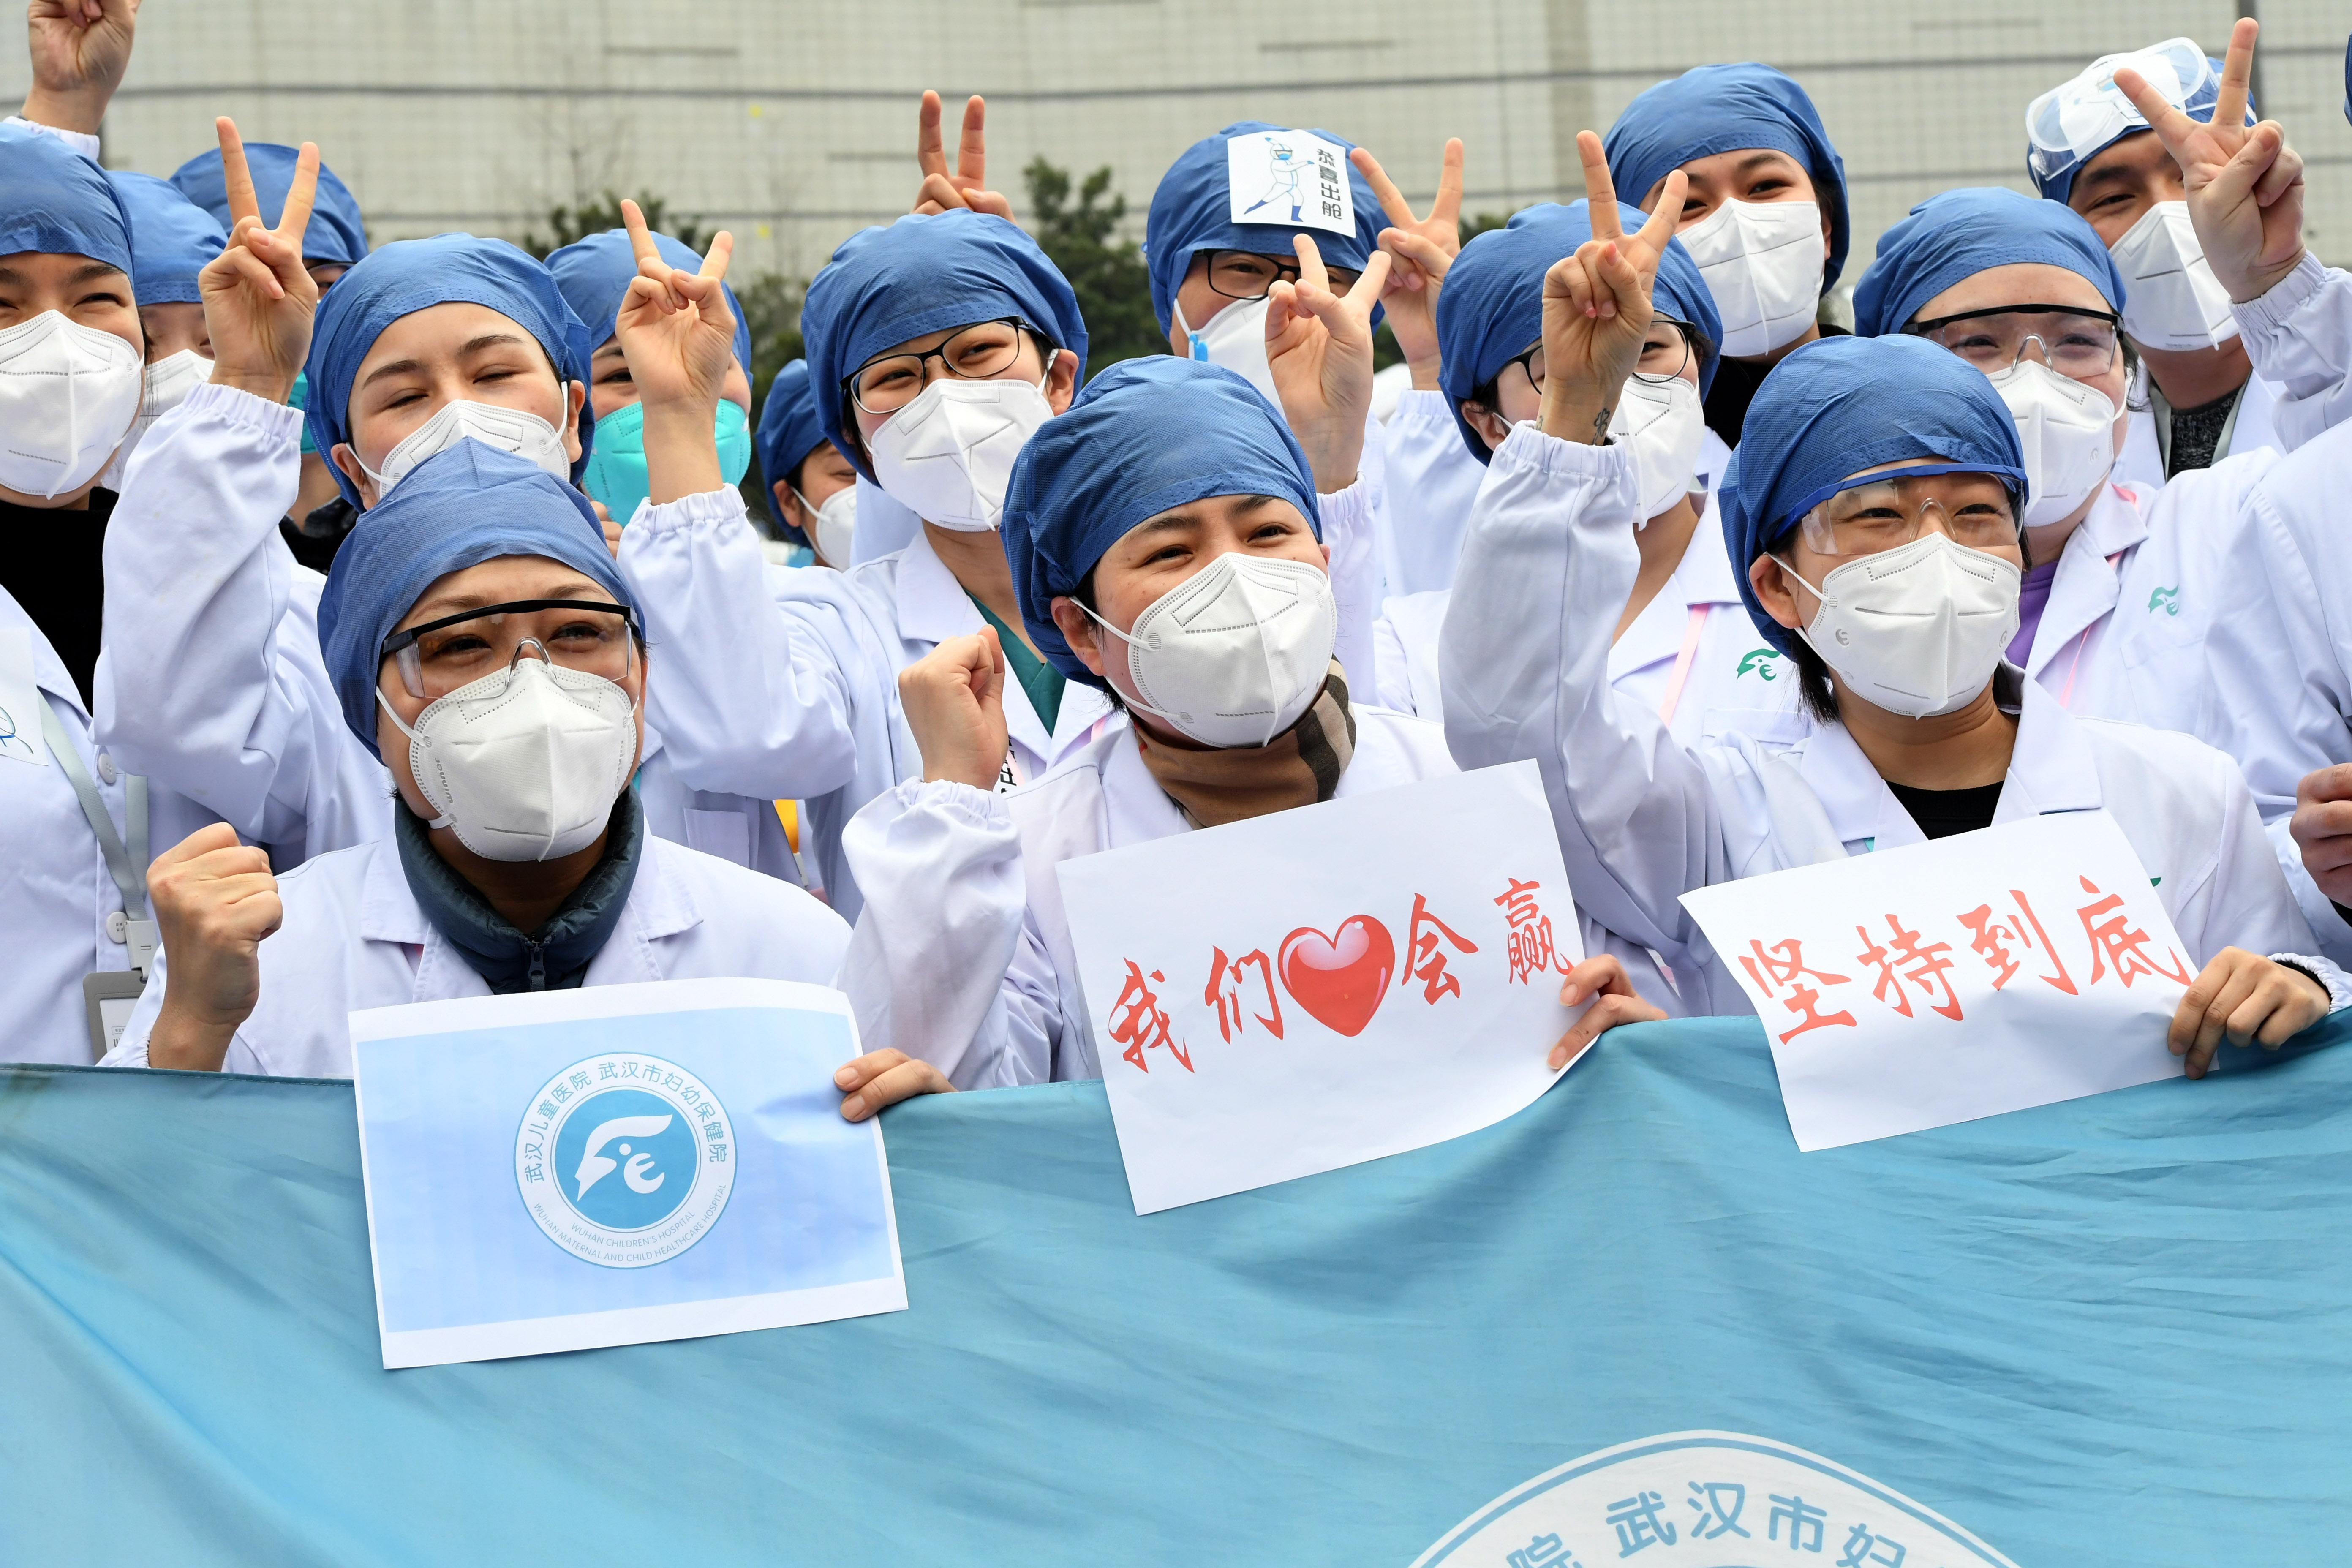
[1596, 304]
[1319, 347]
[2244, 184]
[675, 327]
[259, 298]
[1421, 249]
[967, 185]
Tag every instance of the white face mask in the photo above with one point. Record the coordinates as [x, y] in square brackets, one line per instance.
[833, 527]
[2068, 431]
[525, 763]
[948, 455]
[169, 381]
[1664, 423]
[1762, 262]
[1918, 629]
[68, 395]
[1235, 339]
[515, 430]
[2171, 299]
[1232, 655]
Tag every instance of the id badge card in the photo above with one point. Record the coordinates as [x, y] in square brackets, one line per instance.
[109, 998]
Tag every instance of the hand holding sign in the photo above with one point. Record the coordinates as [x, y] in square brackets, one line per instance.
[1319, 346]
[1596, 305]
[259, 298]
[2250, 999]
[2322, 826]
[1421, 249]
[2245, 183]
[966, 185]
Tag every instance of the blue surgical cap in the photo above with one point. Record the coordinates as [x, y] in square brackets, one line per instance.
[1191, 211]
[335, 235]
[458, 508]
[411, 274]
[57, 203]
[1491, 308]
[171, 239]
[1727, 109]
[924, 274]
[1145, 435]
[594, 274]
[1959, 234]
[789, 431]
[1842, 404]
[2053, 170]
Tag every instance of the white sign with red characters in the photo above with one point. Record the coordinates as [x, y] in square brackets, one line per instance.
[1323, 986]
[1993, 971]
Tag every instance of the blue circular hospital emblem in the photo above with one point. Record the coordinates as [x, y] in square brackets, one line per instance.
[625, 1159]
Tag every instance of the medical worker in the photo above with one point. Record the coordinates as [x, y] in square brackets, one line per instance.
[2200, 397]
[1874, 502]
[1763, 211]
[172, 238]
[594, 274]
[1164, 537]
[481, 645]
[335, 241]
[1681, 645]
[811, 489]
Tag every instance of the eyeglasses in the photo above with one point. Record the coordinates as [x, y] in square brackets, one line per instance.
[888, 383]
[1247, 275]
[592, 636]
[1885, 513]
[2073, 342]
[1665, 352]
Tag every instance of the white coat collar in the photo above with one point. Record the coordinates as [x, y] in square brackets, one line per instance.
[933, 607]
[49, 670]
[1136, 809]
[2053, 769]
[2082, 591]
[1702, 580]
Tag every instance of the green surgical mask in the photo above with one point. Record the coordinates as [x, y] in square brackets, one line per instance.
[300, 400]
[615, 474]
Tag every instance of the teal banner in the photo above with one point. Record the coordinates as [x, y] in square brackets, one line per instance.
[1631, 1324]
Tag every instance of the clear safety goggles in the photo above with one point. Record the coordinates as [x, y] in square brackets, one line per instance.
[2073, 121]
[1665, 352]
[2073, 342]
[592, 636]
[1888, 511]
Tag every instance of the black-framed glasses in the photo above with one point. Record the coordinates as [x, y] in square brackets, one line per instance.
[1665, 352]
[1248, 275]
[887, 382]
[2073, 341]
[592, 636]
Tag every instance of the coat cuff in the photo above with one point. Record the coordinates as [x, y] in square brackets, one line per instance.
[2337, 984]
[1529, 449]
[709, 509]
[234, 404]
[2271, 309]
[1431, 410]
[1348, 508]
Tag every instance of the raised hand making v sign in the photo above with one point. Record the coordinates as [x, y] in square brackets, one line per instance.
[1596, 305]
[677, 332]
[1319, 347]
[2244, 182]
[259, 298]
[967, 185]
[1420, 249]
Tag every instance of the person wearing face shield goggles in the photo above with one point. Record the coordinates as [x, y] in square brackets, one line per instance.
[1763, 210]
[811, 489]
[480, 643]
[1164, 537]
[1873, 505]
[2244, 336]
[1681, 645]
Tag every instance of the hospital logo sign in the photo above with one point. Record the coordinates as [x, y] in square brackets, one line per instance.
[625, 1159]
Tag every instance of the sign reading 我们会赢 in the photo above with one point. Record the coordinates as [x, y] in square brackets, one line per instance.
[615, 1165]
[1988, 972]
[1300, 992]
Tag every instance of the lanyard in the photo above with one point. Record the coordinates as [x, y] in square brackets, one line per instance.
[122, 864]
[2066, 697]
[1697, 624]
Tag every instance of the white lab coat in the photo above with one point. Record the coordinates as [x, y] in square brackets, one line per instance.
[214, 684]
[56, 893]
[1643, 819]
[786, 683]
[963, 956]
[355, 937]
[1432, 479]
[2279, 650]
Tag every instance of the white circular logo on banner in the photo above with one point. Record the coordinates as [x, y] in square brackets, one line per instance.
[625, 1159]
[1706, 1499]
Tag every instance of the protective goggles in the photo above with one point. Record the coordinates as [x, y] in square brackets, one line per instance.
[592, 636]
[2071, 342]
[2077, 120]
[1881, 511]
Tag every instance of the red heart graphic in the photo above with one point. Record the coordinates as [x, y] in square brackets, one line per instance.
[1339, 979]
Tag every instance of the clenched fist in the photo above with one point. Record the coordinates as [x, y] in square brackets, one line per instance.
[214, 902]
